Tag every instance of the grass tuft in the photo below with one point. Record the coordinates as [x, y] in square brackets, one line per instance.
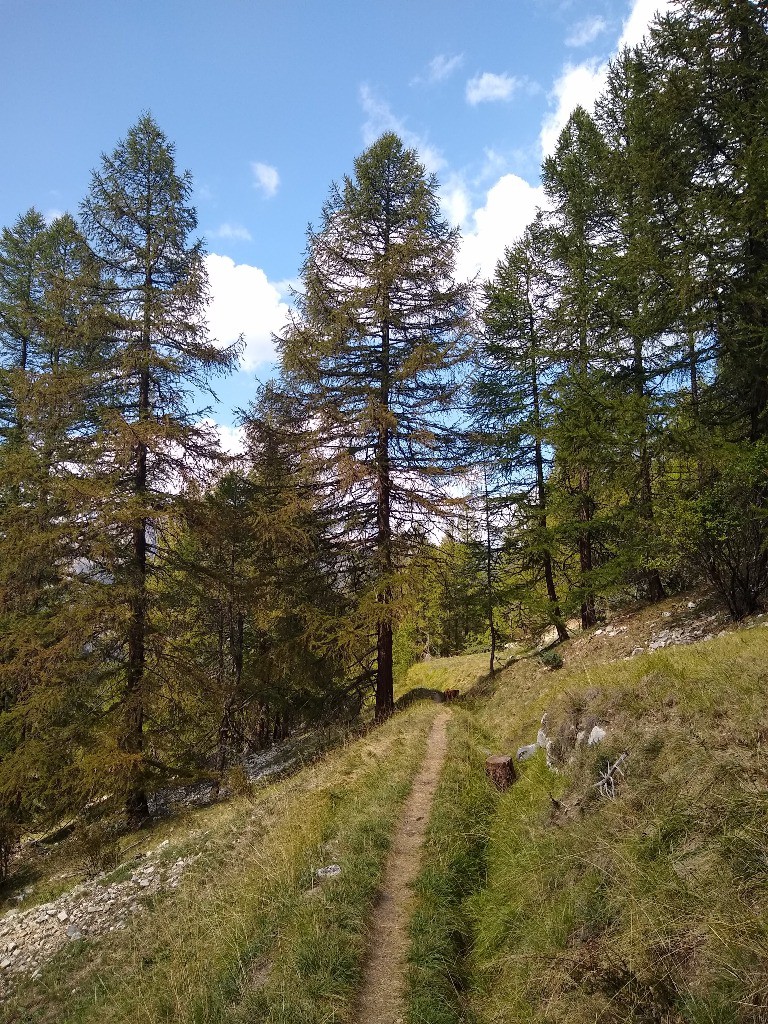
[454, 865]
[652, 906]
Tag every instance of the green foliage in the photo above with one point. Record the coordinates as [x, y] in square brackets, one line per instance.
[97, 845]
[551, 659]
[720, 528]
[10, 834]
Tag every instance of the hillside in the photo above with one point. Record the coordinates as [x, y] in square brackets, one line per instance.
[551, 901]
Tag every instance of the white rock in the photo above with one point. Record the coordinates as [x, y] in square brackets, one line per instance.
[597, 735]
[63, 916]
[541, 738]
[329, 872]
[526, 752]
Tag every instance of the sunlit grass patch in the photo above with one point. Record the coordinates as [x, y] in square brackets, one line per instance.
[459, 673]
[651, 906]
[206, 952]
[453, 866]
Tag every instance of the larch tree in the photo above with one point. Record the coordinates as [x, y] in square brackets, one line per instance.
[139, 220]
[372, 351]
[50, 323]
[577, 220]
[637, 300]
[711, 58]
[511, 402]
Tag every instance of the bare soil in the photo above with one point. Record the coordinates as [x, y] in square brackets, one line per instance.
[381, 999]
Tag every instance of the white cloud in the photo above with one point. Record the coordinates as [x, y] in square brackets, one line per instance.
[510, 205]
[380, 119]
[52, 214]
[578, 85]
[454, 200]
[244, 302]
[581, 84]
[266, 178]
[231, 439]
[586, 31]
[442, 67]
[489, 87]
[235, 232]
[640, 17]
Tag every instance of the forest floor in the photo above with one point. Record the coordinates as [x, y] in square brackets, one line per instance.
[387, 880]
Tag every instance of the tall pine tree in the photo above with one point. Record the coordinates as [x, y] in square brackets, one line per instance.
[372, 351]
[139, 220]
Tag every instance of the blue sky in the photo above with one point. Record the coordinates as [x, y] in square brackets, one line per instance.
[269, 101]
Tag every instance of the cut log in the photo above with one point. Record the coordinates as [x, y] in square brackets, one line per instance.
[500, 769]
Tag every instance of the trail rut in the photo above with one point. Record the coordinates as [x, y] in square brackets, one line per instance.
[381, 998]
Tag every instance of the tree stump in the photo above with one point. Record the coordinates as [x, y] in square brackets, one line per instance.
[450, 694]
[500, 769]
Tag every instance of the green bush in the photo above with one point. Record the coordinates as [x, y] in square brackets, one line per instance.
[551, 659]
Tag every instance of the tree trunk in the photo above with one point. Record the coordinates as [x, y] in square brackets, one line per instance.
[541, 494]
[500, 769]
[385, 700]
[588, 613]
[136, 806]
[489, 573]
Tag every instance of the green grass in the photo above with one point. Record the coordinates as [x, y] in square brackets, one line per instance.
[653, 906]
[454, 865]
[459, 673]
[547, 903]
[241, 939]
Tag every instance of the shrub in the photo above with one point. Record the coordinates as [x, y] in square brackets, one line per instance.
[9, 840]
[97, 846]
[551, 659]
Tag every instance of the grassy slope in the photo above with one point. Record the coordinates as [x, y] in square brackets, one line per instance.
[459, 673]
[247, 937]
[546, 903]
[649, 907]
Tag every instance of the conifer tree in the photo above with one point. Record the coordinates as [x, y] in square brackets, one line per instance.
[138, 219]
[49, 343]
[512, 407]
[577, 222]
[711, 58]
[372, 350]
[636, 296]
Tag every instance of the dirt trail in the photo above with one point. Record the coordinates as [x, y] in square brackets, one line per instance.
[381, 996]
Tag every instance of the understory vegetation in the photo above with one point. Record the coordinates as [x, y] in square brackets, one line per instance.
[556, 902]
[252, 933]
[552, 901]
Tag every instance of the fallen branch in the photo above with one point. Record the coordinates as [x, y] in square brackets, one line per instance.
[607, 782]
